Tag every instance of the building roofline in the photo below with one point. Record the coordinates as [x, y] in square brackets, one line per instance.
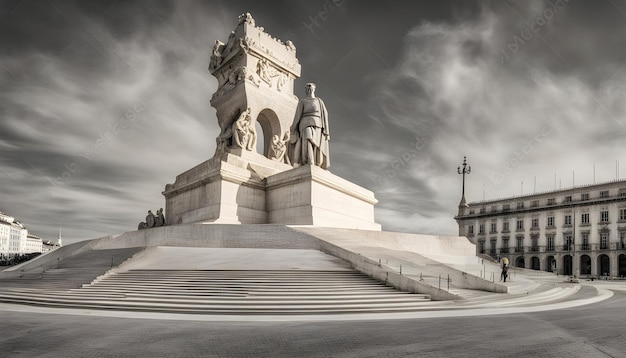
[542, 193]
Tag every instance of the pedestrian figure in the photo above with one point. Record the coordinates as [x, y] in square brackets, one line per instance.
[504, 273]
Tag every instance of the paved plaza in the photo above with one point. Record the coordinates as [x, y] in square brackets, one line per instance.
[593, 330]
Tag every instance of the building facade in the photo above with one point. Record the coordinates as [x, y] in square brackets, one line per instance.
[15, 240]
[579, 231]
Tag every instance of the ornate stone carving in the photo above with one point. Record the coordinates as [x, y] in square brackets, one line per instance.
[244, 133]
[278, 148]
[246, 18]
[216, 56]
[241, 134]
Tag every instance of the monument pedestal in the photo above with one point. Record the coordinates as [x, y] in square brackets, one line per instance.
[309, 195]
[247, 188]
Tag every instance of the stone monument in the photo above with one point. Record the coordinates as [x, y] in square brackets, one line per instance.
[288, 182]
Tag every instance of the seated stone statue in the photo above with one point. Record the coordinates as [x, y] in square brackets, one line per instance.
[152, 220]
[278, 148]
[244, 134]
[160, 218]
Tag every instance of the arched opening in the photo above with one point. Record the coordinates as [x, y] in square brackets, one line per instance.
[269, 125]
[519, 262]
[550, 264]
[534, 263]
[567, 265]
[585, 265]
[260, 139]
[622, 265]
[604, 268]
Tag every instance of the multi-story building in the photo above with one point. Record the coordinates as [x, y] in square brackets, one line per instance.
[33, 244]
[14, 238]
[579, 231]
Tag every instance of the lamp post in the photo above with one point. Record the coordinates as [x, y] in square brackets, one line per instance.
[466, 170]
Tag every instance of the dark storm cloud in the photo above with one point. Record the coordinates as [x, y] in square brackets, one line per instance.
[103, 103]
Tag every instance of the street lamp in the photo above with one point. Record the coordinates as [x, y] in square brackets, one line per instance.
[466, 170]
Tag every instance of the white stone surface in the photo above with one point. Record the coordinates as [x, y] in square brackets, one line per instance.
[309, 195]
[186, 258]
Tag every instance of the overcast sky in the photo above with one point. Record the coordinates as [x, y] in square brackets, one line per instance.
[103, 103]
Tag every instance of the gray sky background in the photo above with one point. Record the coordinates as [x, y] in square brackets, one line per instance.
[103, 103]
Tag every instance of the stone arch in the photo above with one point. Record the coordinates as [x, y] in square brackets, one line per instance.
[549, 263]
[621, 268]
[519, 262]
[585, 265]
[567, 265]
[270, 125]
[604, 265]
[535, 264]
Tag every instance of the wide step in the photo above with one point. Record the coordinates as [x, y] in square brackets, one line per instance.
[228, 292]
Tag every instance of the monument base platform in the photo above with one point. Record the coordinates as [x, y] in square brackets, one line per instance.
[247, 188]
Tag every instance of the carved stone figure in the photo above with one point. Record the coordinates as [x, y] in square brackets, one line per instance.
[216, 57]
[244, 134]
[309, 131]
[262, 69]
[160, 218]
[152, 220]
[278, 148]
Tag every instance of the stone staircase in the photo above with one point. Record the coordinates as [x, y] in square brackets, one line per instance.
[69, 273]
[270, 292]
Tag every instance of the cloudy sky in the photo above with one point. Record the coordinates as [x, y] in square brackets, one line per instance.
[103, 103]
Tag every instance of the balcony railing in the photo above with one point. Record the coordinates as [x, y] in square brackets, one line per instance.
[562, 248]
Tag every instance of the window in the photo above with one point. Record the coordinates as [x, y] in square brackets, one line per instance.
[551, 201]
[534, 243]
[506, 207]
[567, 242]
[568, 220]
[550, 221]
[550, 243]
[520, 224]
[472, 212]
[622, 214]
[535, 223]
[493, 228]
[481, 247]
[622, 192]
[493, 247]
[585, 245]
[520, 205]
[604, 194]
[520, 244]
[584, 218]
[482, 210]
[505, 225]
[604, 216]
[470, 229]
[622, 240]
[494, 208]
[481, 229]
[534, 203]
[568, 199]
[505, 245]
[604, 241]
[584, 197]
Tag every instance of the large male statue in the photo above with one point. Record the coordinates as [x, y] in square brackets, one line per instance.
[309, 131]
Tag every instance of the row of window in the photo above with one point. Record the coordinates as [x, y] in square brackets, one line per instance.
[550, 201]
[584, 220]
[550, 242]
